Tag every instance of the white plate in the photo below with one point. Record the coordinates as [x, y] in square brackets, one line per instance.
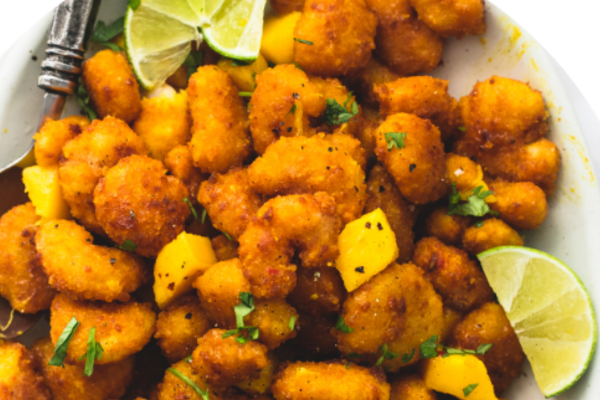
[572, 230]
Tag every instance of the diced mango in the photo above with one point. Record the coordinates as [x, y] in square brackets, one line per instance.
[28, 160]
[261, 383]
[277, 43]
[178, 264]
[43, 187]
[244, 76]
[455, 374]
[367, 246]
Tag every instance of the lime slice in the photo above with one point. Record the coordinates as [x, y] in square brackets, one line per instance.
[550, 310]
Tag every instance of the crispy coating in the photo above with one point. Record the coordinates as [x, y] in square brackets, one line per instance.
[148, 210]
[173, 388]
[452, 17]
[448, 228]
[314, 334]
[451, 318]
[306, 223]
[219, 291]
[220, 137]
[401, 215]
[164, 123]
[500, 112]
[224, 362]
[488, 324]
[418, 168]
[332, 381]
[109, 381]
[343, 140]
[229, 201]
[376, 311]
[179, 325]
[522, 205]
[51, 138]
[179, 162]
[424, 96]
[283, 7]
[463, 172]
[121, 329]
[373, 74]
[454, 276]
[310, 165]
[340, 36]
[410, 387]
[23, 281]
[87, 158]
[18, 380]
[84, 271]
[278, 90]
[421, 49]
[424, 316]
[112, 86]
[272, 318]
[318, 291]
[225, 249]
[367, 127]
[492, 233]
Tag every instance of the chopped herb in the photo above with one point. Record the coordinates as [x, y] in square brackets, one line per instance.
[134, 4]
[113, 261]
[192, 209]
[341, 325]
[245, 94]
[94, 352]
[408, 356]
[429, 347]
[475, 205]
[188, 359]
[103, 34]
[462, 128]
[292, 322]
[469, 389]
[385, 354]
[395, 139]
[478, 224]
[298, 66]
[202, 393]
[193, 61]
[203, 216]
[336, 114]
[227, 236]
[60, 351]
[83, 99]
[463, 352]
[484, 348]
[128, 245]
[292, 110]
[241, 310]
[347, 365]
[304, 41]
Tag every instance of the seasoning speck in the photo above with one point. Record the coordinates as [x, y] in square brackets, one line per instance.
[360, 270]
[379, 226]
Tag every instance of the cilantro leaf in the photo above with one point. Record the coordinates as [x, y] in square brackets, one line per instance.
[241, 310]
[341, 325]
[475, 205]
[408, 356]
[336, 114]
[60, 351]
[292, 110]
[202, 393]
[478, 224]
[245, 94]
[192, 209]
[484, 348]
[462, 129]
[103, 34]
[395, 139]
[385, 354]
[429, 347]
[193, 61]
[469, 389]
[83, 99]
[128, 245]
[308, 42]
[292, 322]
[203, 216]
[94, 352]
[227, 236]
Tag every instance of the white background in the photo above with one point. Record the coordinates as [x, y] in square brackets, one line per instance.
[570, 31]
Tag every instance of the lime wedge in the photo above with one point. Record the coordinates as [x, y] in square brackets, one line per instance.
[550, 310]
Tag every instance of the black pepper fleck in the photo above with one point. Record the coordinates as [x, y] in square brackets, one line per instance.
[379, 226]
[412, 167]
[296, 95]
[360, 270]
[113, 260]
[188, 315]
[381, 189]
[289, 129]
[368, 225]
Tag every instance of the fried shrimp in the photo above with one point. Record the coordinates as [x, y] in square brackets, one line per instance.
[491, 233]
[452, 17]
[179, 162]
[314, 335]
[318, 291]
[87, 157]
[447, 228]
[23, 281]
[18, 379]
[173, 388]
[112, 86]
[279, 91]
[51, 138]
[410, 387]
[373, 74]
[306, 223]
[229, 201]
[334, 37]
[416, 159]
[332, 381]
[272, 318]
[148, 210]
[310, 165]
[522, 205]
[220, 137]
[225, 249]
[84, 271]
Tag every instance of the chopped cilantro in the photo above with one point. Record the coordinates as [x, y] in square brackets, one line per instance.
[94, 352]
[245, 307]
[304, 41]
[202, 393]
[83, 99]
[341, 325]
[429, 347]
[292, 322]
[203, 216]
[298, 66]
[462, 129]
[395, 139]
[469, 389]
[128, 245]
[385, 354]
[192, 209]
[478, 224]
[245, 94]
[292, 110]
[484, 348]
[103, 34]
[408, 356]
[475, 205]
[193, 61]
[60, 351]
[227, 236]
[336, 114]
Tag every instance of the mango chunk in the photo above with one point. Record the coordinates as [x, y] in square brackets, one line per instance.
[457, 375]
[43, 187]
[28, 160]
[244, 76]
[277, 43]
[178, 264]
[367, 246]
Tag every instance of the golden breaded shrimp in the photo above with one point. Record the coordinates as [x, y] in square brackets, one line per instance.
[522, 205]
[121, 329]
[225, 248]
[283, 7]
[219, 291]
[86, 158]
[488, 324]
[179, 325]
[224, 362]
[452, 17]
[306, 223]
[465, 174]
[148, 210]
[418, 167]
[272, 318]
[448, 228]
[376, 311]
[179, 162]
[18, 379]
[424, 96]
[84, 271]
[314, 335]
[108, 381]
[164, 123]
[310, 165]
[331, 381]
[421, 49]
[451, 318]
[343, 140]
[112, 86]
[23, 281]
[401, 215]
[410, 387]
[373, 74]
[334, 37]
[51, 138]
[491, 233]
[459, 281]
[229, 201]
[318, 291]
[279, 91]
[366, 129]
[173, 388]
[220, 138]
